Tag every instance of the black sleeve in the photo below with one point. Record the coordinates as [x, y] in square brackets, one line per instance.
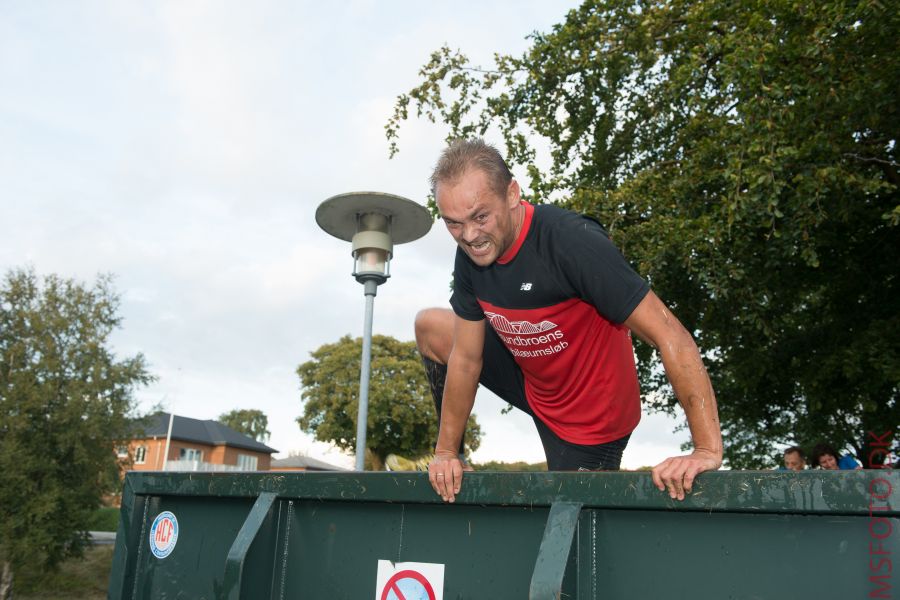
[588, 261]
[463, 299]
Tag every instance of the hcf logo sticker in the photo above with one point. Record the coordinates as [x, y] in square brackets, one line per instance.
[163, 534]
[409, 581]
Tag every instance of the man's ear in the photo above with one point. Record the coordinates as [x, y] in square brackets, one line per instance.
[513, 194]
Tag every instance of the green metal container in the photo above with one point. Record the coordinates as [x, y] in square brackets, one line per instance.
[387, 536]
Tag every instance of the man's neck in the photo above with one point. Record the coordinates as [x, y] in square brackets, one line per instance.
[519, 219]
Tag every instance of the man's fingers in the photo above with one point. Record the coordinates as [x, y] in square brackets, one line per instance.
[445, 477]
[671, 479]
[678, 485]
[667, 476]
[437, 478]
[443, 490]
[689, 476]
[656, 474]
[432, 478]
[676, 475]
[671, 489]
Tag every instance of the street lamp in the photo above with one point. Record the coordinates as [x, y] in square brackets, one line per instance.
[373, 222]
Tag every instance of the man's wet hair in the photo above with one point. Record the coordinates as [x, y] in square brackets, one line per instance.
[465, 154]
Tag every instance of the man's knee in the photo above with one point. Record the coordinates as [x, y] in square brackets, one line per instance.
[434, 333]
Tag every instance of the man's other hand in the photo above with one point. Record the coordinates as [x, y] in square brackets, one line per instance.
[445, 474]
[678, 472]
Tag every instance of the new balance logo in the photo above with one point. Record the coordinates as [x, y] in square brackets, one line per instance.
[526, 287]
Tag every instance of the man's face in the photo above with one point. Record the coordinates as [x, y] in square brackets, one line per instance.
[480, 220]
[794, 462]
[827, 461]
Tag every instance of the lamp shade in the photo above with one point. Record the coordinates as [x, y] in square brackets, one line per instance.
[373, 222]
[339, 214]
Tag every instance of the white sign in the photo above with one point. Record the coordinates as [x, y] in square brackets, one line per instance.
[409, 581]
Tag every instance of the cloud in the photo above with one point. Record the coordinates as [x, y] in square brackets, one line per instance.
[184, 147]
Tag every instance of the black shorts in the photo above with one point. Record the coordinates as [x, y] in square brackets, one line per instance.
[501, 375]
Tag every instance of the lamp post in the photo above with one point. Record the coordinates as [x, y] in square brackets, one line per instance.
[373, 222]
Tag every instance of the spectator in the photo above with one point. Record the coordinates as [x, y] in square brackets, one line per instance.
[794, 459]
[825, 456]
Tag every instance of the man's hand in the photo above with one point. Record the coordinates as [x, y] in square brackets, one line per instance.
[677, 473]
[445, 474]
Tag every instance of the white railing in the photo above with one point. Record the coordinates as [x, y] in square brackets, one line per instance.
[197, 465]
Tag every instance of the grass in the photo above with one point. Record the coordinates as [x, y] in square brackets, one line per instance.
[84, 578]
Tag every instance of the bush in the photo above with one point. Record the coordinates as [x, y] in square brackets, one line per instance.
[104, 519]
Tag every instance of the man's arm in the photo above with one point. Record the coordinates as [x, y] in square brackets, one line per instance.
[653, 323]
[463, 371]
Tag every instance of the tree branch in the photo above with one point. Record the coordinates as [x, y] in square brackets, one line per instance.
[871, 159]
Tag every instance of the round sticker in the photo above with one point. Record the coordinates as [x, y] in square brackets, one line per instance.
[163, 534]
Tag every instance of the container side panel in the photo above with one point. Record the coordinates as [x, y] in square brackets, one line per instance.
[487, 552]
[680, 555]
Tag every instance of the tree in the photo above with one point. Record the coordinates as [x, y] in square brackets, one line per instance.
[251, 422]
[744, 156]
[401, 416]
[65, 403]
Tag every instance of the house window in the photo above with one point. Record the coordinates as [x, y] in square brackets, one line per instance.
[245, 462]
[140, 455]
[122, 451]
[190, 454]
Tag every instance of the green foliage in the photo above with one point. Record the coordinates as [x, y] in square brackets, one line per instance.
[64, 406]
[105, 518]
[401, 416]
[744, 156]
[251, 422]
[495, 465]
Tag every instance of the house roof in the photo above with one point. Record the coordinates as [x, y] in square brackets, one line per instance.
[303, 462]
[208, 432]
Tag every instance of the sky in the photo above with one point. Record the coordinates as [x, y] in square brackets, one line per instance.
[184, 147]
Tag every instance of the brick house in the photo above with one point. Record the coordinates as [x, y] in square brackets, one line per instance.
[194, 445]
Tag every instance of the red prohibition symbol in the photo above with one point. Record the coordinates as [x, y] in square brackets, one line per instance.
[408, 585]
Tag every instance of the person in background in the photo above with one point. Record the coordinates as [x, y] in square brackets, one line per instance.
[794, 459]
[824, 456]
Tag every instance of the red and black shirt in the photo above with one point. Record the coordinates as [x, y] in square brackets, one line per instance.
[557, 299]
